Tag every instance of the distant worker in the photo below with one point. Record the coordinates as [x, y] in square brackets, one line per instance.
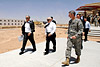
[96, 20]
[78, 16]
[87, 28]
[53, 20]
[88, 18]
[99, 21]
[27, 30]
[75, 30]
[50, 35]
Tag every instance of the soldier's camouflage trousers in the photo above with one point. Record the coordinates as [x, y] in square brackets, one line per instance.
[77, 45]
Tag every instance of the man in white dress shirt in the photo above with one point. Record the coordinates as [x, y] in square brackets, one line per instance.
[87, 28]
[50, 35]
[27, 31]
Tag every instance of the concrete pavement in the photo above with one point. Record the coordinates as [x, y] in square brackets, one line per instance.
[95, 31]
[90, 56]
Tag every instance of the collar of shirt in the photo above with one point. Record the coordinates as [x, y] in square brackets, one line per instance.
[48, 23]
[28, 22]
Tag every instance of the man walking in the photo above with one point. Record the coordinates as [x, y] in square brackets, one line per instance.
[96, 20]
[87, 28]
[75, 30]
[27, 31]
[50, 35]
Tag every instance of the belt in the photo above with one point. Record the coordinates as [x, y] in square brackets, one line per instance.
[50, 32]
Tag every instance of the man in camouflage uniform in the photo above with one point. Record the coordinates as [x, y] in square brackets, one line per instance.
[75, 30]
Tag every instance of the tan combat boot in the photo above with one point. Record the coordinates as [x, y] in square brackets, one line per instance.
[78, 59]
[66, 62]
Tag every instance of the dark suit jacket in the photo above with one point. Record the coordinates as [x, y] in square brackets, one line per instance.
[83, 25]
[31, 26]
[54, 21]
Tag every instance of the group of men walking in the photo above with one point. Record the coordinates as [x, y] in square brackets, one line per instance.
[74, 38]
[28, 28]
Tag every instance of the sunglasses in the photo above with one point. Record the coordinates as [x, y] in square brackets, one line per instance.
[48, 19]
[27, 18]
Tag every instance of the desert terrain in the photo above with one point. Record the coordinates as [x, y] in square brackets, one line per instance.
[9, 37]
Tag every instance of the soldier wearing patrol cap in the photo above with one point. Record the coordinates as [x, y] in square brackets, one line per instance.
[75, 30]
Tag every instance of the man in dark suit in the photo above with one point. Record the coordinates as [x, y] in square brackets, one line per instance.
[27, 31]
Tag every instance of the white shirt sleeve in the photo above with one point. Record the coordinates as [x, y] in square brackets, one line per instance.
[53, 28]
[45, 32]
[45, 29]
[89, 25]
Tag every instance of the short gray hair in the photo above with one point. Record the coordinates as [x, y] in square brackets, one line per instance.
[72, 12]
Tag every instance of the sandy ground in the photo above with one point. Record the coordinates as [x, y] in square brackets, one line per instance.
[9, 38]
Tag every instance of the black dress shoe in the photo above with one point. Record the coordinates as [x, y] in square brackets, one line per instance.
[21, 53]
[53, 50]
[46, 53]
[34, 50]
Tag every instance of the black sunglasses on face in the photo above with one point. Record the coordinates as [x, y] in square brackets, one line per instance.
[48, 19]
[27, 18]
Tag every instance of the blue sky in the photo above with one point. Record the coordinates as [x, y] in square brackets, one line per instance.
[40, 9]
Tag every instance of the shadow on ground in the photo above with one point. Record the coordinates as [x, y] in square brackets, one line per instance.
[98, 41]
[50, 51]
[29, 50]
